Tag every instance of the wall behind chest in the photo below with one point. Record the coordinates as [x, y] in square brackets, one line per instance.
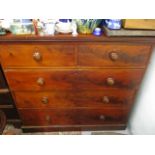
[143, 116]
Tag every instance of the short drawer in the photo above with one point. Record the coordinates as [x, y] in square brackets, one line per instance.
[113, 55]
[39, 55]
[41, 80]
[70, 99]
[72, 116]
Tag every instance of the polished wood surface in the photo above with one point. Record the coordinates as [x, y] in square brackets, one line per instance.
[48, 55]
[73, 116]
[74, 83]
[113, 55]
[70, 99]
[11, 39]
[63, 55]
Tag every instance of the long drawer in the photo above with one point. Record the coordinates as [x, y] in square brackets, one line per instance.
[73, 116]
[113, 55]
[37, 55]
[70, 99]
[41, 79]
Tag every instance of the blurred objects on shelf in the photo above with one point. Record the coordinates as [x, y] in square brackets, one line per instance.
[67, 26]
[2, 27]
[22, 26]
[2, 31]
[87, 26]
[97, 31]
[148, 24]
[74, 28]
[5, 24]
[45, 27]
[64, 26]
[113, 24]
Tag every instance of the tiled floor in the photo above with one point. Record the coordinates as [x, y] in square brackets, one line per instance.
[11, 130]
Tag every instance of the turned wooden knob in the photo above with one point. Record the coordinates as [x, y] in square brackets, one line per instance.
[44, 100]
[102, 117]
[40, 81]
[110, 81]
[48, 118]
[114, 56]
[105, 99]
[37, 56]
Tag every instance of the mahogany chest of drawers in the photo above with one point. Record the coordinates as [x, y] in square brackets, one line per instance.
[65, 83]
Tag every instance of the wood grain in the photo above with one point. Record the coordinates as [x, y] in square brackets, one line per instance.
[75, 74]
[70, 99]
[72, 116]
[101, 55]
[61, 38]
[18, 55]
[26, 80]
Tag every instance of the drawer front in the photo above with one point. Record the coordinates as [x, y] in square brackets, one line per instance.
[73, 79]
[72, 116]
[37, 55]
[113, 55]
[68, 99]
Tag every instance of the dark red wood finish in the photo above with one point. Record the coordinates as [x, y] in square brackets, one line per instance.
[74, 83]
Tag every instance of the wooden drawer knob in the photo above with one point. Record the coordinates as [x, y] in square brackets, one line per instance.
[48, 118]
[37, 56]
[102, 117]
[114, 56]
[45, 100]
[105, 99]
[40, 81]
[110, 81]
